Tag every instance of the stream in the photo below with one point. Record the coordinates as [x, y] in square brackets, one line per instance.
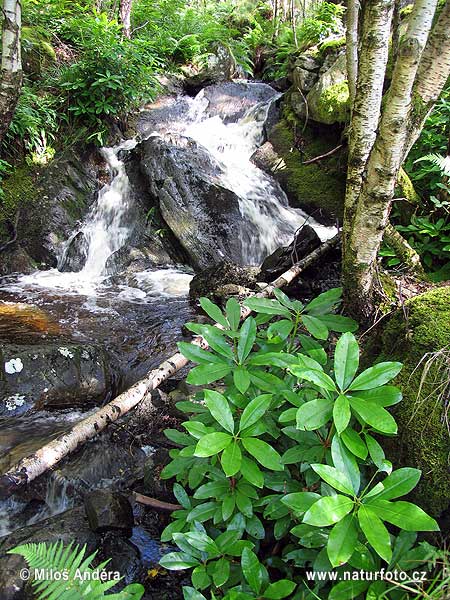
[133, 321]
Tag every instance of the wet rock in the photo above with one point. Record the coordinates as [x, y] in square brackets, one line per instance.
[220, 66]
[106, 510]
[215, 282]
[124, 557]
[75, 255]
[282, 259]
[328, 101]
[303, 79]
[50, 375]
[308, 62]
[203, 215]
[16, 260]
[67, 527]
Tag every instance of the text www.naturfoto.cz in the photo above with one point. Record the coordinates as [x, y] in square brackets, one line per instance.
[361, 575]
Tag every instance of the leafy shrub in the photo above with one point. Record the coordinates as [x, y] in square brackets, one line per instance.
[283, 460]
[79, 580]
[430, 238]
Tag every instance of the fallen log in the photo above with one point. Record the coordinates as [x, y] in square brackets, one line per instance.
[154, 503]
[49, 455]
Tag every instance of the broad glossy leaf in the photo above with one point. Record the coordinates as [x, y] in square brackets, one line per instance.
[300, 502]
[177, 561]
[195, 428]
[376, 533]
[251, 472]
[231, 459]
[252, 570]
[281, 297]
[341, 413]
[376, 376]
[354, 443]
[246, 338]
[233, 312]
[221, 572]
[339, 323]
[181, 495]
[204, 374]
[279, 589]
[347, 590]
[228, 505]
[399, 483]
[376, 452]
[213, 311]
[324, 302]
[202, 512]
[212, 443]
[317, 377]
[267, 306]
[342, 540]
[212, 489]
[201, 541]
[333, 477]
[264, 453]
[315, 327]
[267, 382]
[190, 593]
[244, 504]
[385, 395]
[328, 510]
[374, 415]
[404, 515]
[214, 337]
[196, 354]
[344, 461]
[220, 409]
[346, 360]
[254, 410]
[314, 414]
[241, 378]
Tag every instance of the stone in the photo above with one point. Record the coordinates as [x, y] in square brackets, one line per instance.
[303, 79]
[106, 510]
[220, 66]
[211, 282]
[308, 62]
[328, 100]
[282, 259]
[298, 103]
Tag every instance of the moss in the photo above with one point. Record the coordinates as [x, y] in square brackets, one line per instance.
[406, 11]
[19, 190]
[320, 185]
[405, 188]
[333, 105]
[331, 45]
[423, 439]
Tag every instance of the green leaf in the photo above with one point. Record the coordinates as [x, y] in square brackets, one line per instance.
[189, 593]
[314, 414]
[181, 495]
[241, 378]
[254, 410]
[374, 415]
[221, 572]
[196, 354]
[342, 540]
[346, 360]
[212, 489]
[267, 306]
[251, 472]
[200, 578]
[376, 452]
[386, 395]
[279, 589]
[341, 413]
[208, 373]
[202, 512]
[354, 443]
[339, 323]
[233, 312]
[404, 515]
[376, 533]
[195, 428]
[300, 502]
[177, 561]
[315, 327]
[325, 302]
[255, 528]
[333, 477]
[212, 443]
[264, 453]
[347, 590]
[244, 504]
[252, 570]
[399, 483]
[281, 297]
[246, 339]
[228, 505]
[266, 381]
[317, 377]
[231, 459]
[375, 376]
[202, 542]
[214, 337]
[220, 409]
[328, 510]
[213, 311]
[344, 461]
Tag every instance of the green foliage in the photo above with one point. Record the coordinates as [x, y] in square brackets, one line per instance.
[285, 454]
[78, 579]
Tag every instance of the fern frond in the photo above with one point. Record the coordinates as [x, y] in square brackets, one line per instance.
[65, 573]
[442, 162]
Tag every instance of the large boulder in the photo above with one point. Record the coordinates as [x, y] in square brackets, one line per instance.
[202, 214]
[328, 100]
[223, 280]
[418, 335]
[220, 65]
[53, 375]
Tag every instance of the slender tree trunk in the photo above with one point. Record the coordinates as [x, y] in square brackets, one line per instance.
[373, 205]
[11, 66]
[352, 47]
[125, 16]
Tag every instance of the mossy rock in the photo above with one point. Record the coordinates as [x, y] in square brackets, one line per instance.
[424, 439]
[20, 190]
[318, 187]
[329, 99]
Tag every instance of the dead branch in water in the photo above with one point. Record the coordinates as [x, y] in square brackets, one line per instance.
[154, 503]
[49, 455]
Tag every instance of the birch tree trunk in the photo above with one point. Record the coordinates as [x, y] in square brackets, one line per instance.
[11, 67]
[370, 211]
[352, 47]
[125, 16]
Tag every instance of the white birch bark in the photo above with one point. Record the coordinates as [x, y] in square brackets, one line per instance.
[11, 64]
[49, 455]
[373, 205]
[352, 47]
